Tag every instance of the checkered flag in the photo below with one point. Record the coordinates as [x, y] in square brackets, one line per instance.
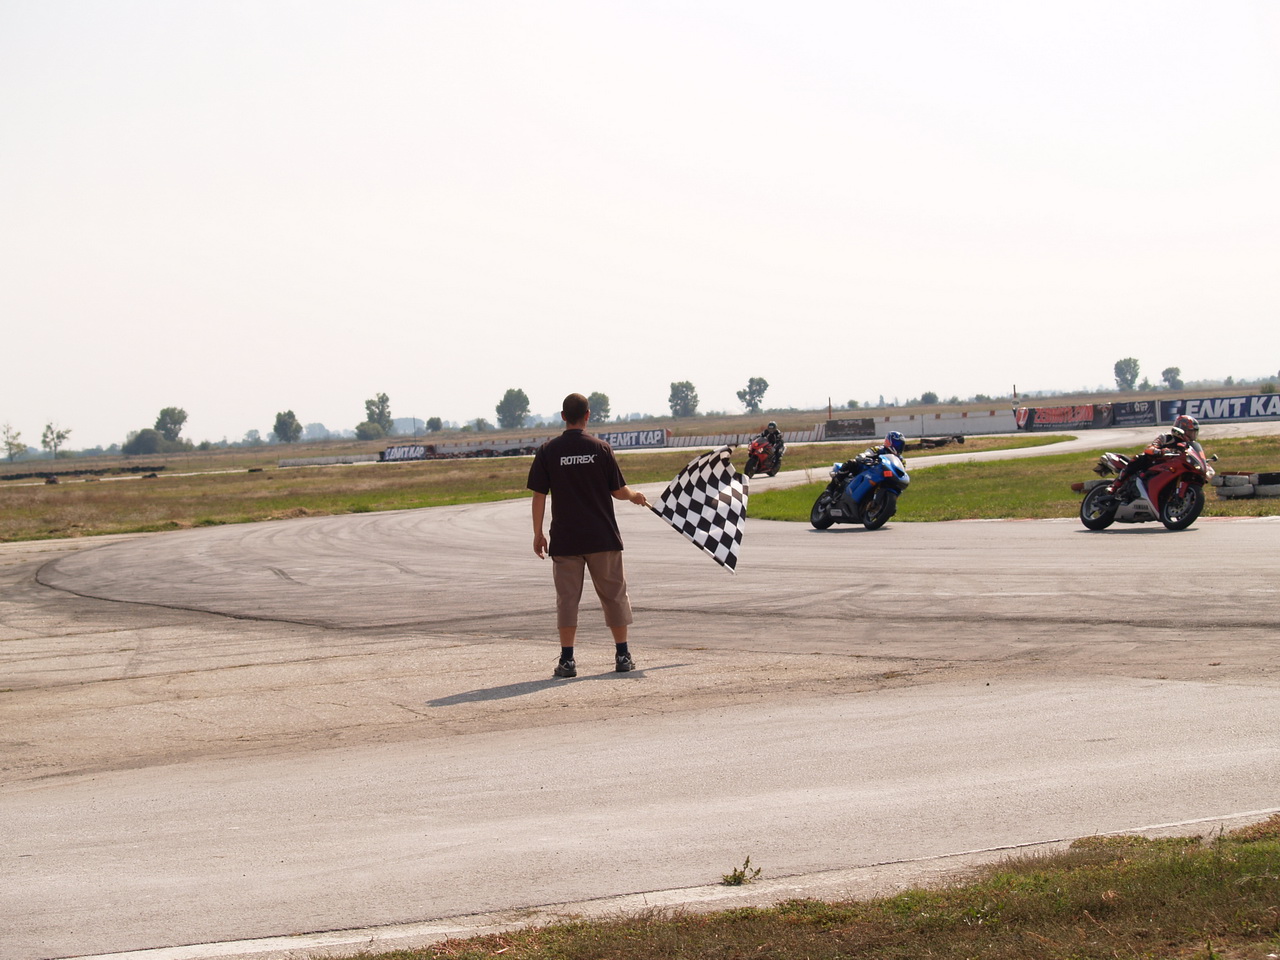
[707, 502]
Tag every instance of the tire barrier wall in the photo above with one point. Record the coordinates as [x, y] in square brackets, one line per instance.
[1233, 486]
[89, 474]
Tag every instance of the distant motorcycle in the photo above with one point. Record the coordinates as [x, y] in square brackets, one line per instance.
[1171, 490]
[762, 457]
[862, 490]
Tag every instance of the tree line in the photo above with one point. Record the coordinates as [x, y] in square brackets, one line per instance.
[513, 409]
[51, 439]
[1127, 370]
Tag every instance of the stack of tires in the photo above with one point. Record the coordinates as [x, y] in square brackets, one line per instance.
[1231, 486]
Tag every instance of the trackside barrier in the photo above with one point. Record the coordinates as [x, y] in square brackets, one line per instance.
[742, 439]
[1263, 406]
[325, 461]
[714, 440]
[1258, 406]
[911, 425]
[942, 423]
[1234, 485]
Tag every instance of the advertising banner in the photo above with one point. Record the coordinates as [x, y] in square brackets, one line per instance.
[635, 439]
[856, 429]
[1256, 407]
[1138, 413]
[1078, 417]
[408, 451]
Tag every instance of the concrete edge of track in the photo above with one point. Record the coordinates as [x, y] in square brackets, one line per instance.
[871, 880]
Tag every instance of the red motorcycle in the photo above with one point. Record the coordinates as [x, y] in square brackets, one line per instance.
[762, 458]
[1170, 490]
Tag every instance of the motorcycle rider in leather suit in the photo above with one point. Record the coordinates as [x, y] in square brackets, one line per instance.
[1181, 435]
[771, 434]
[894, 442]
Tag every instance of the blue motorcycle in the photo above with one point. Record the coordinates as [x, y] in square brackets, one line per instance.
[862, 490]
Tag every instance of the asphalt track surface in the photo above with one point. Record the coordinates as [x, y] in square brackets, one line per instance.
[341, 733]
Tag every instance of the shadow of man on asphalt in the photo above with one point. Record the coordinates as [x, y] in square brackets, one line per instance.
[508, 690]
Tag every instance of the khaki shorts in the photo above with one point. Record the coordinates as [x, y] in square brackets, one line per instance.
[607, 576]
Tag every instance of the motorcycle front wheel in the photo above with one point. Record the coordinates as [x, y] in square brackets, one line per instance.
[820, 515]
[1178, 513]
[751, 467]
[882, 506]
[1098, 510]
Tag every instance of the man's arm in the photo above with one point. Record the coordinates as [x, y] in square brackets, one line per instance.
[539, 513]
[635, 496]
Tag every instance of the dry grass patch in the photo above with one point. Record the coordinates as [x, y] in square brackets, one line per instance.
[1104, 897]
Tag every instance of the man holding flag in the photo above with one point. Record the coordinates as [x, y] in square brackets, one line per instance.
[582, 476]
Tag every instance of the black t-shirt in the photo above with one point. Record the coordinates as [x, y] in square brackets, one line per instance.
[580, 473]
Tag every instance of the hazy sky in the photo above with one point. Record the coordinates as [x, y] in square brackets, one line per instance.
[245, 207]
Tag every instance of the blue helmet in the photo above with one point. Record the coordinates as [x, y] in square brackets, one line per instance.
[895, 441]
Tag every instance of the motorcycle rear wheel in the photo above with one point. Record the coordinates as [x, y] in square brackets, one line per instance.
[882, 506]
[820, 515]
[1178, 513]
[1098, 509]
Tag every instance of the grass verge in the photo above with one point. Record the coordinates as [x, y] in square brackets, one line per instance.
[1032, 488]
[183, 498]
[1120, 896]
